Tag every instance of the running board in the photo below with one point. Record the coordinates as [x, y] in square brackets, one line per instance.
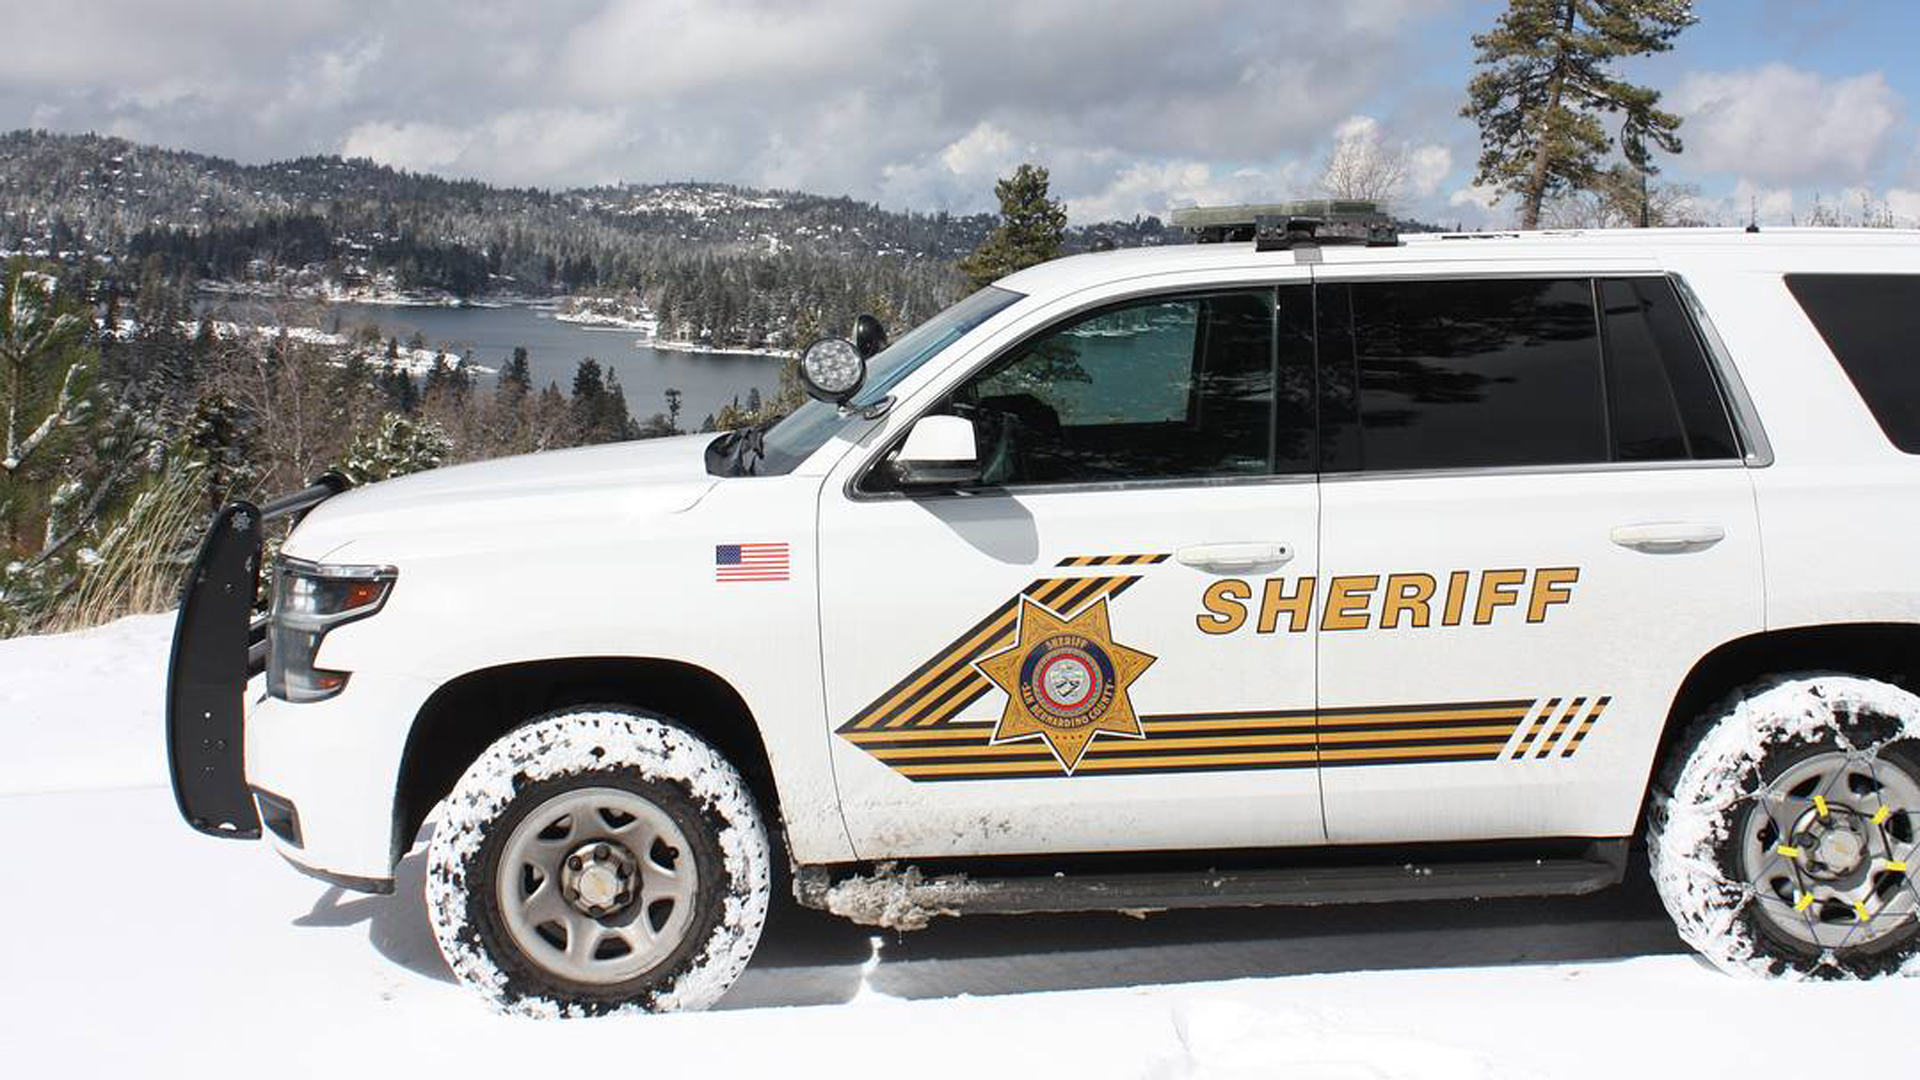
[905, 898]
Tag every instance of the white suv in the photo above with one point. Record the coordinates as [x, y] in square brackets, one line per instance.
[1226, 574]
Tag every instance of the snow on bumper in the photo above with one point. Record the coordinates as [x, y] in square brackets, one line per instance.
[338, 763]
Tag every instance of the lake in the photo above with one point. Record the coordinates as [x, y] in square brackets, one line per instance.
[554, 348]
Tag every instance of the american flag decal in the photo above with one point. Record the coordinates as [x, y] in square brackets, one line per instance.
[750, 562]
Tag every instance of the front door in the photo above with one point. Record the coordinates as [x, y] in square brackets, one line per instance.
[1069, 656]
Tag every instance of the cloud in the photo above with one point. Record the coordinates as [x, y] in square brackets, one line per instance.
[1751, 202]
[1427, 167]
[523, 146]
[1477, 206]
[1779, 125]
[414, 145]
[1904, 205]
[912, 102]
[1156, 188]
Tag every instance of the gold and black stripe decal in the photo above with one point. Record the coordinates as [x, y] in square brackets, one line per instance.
[1545, 746]
[1213, 742]
[1586, 725]
[1414, 734]
[1539, 724]
[1113, 560]
[947, 683]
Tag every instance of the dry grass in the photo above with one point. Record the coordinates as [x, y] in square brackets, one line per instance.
[140, 563]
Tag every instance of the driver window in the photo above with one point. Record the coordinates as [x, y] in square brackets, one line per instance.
[1165, 388]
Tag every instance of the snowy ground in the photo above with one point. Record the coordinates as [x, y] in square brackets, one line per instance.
[137, 947]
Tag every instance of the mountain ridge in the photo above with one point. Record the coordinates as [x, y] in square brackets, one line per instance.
[721, 265]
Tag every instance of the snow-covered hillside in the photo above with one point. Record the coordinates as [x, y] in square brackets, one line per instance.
[137, 947]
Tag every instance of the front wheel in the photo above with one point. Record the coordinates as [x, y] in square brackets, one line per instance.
[596, 860]
[1783, 837]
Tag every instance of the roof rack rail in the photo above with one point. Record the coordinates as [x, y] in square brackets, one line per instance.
[1289, 225]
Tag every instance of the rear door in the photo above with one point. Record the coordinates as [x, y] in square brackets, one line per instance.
[1536, 517]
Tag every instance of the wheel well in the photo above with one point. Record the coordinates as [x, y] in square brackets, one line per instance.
[1889, 652]
[466, 715]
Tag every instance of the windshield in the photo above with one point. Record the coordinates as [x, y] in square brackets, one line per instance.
[789, 442]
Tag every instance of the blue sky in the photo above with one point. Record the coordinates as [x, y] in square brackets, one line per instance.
[1136, 107]
[1785, 103]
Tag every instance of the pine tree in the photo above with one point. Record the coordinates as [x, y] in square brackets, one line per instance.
[1549, 79]
[1032, 229]
[673, 410]
[216, 439]
[517, 377]
[50, 491]
[599, 406]
[402, 395]
[588, 401]
[615, 422]
[397, 446]
[440, 378]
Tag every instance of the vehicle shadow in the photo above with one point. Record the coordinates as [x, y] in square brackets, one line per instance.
[811, 958]
[397, 925]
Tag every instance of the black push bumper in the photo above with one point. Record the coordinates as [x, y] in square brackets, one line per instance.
[219, 642]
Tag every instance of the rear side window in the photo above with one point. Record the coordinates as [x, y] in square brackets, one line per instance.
[1420, 375]
[1464, 374]
[1663, 400]
[1872, 324]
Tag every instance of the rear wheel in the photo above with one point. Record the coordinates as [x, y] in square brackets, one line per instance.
[1784, 833]
[596, 860]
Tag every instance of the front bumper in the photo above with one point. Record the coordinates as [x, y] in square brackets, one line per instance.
[337, 762]
[322, 775]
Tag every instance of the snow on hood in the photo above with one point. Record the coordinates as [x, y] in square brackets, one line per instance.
[548, 491]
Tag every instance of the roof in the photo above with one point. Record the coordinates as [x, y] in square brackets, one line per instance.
[1768, 246]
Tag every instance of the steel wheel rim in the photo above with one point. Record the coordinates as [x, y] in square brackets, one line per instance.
[1825, 848]
[554, 885]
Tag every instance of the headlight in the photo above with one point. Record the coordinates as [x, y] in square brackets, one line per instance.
[310, 599]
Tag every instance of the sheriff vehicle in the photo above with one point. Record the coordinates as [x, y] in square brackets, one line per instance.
[1312, 564]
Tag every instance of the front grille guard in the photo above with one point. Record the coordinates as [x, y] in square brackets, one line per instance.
[219, 643]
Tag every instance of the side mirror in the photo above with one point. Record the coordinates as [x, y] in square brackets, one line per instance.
[832, 370]
[939, 452]
[869, 336]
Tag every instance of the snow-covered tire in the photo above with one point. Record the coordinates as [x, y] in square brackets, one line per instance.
[1763, 878]
[682, 791]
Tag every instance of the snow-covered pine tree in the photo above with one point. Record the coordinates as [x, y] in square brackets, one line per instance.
[49, 492]
[216, 438]
[397, 446]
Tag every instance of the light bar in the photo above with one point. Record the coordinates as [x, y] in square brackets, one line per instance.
[1300, 223]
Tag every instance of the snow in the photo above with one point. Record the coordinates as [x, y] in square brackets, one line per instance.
[82, 712]
[897, 899]
[137, 947]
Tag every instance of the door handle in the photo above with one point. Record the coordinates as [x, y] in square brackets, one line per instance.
[1669, 537]
[1233, 557]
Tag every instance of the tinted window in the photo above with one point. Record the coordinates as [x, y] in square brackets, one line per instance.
[1459, 374]
[1664, 402]
[1159, 389]
[1872, 324]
